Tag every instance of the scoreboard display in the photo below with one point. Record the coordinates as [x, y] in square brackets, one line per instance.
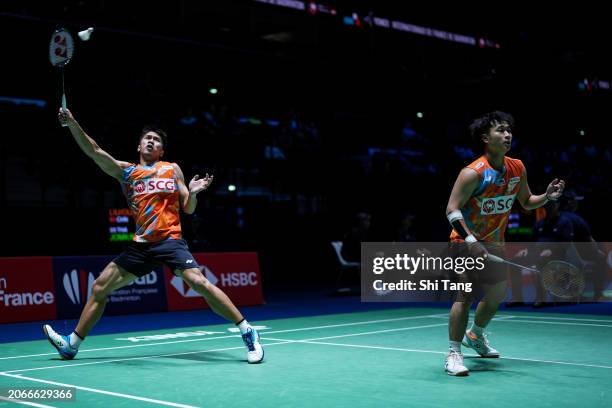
[120, 225]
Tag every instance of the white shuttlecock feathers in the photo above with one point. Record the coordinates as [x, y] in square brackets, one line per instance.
[86, 34]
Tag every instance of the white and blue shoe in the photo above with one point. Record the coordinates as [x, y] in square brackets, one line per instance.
[255, 353]
[61, 343]
[480, 344]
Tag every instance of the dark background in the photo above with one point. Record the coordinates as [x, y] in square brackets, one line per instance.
[339, 98]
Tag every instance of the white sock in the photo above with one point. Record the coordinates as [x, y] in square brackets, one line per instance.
[243, 326]
[75, 340]
[454, 346]
[477, 330]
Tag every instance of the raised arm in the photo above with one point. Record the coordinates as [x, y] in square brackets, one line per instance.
[105, 161]
[530, 201]
[188, 196]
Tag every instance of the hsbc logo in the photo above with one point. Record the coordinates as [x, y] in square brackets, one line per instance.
[228, 279]
[496, 205]
[154, 185]
[181, 286]
[239, 279]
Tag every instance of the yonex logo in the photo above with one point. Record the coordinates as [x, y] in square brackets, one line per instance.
[189, 261]
[154, 185]
[512, 183]
[497, 205]
[163, 169]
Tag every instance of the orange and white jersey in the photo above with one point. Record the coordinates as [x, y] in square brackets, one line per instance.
[153, 198]
[487, 211]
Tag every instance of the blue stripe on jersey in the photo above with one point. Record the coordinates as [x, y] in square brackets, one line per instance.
[488, 177]
[128, 172]
[152, 225]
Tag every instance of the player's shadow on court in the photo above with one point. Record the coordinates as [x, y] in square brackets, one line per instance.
[210, 357]
[79, 359]
[479, 364]
[217, 357]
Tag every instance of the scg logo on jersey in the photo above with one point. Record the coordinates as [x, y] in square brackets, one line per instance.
[154, 185]
[496, 205]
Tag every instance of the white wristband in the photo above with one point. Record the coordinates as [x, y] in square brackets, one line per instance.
[454, 216]
[470, 239]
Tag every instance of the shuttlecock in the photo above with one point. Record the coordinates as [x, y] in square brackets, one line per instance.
[85, 34]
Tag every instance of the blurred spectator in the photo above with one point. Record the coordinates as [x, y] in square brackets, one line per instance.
[593, 257]
[405, 231]
[359, 232]
[555, 227]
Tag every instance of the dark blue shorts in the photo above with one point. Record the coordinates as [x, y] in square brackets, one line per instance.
[140, 258]
[492, 274]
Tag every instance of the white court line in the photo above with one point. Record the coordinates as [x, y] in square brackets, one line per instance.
[118, 360]
[440, 315]
[32, 404]
[114, 394]
[526, 316]
[443, 352]
[222, 349]
[364, 333]
[520, 320]
[397, 319]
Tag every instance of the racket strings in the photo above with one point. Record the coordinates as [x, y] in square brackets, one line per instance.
[563, 280]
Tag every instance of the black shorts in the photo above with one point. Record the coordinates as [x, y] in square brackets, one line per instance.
[140, 258]
[492, 274]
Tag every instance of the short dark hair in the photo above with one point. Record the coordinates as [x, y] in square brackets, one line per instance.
[482, 124]
[160, 132]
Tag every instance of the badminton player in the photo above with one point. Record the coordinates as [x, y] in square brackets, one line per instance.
[478, 210]
[155, 191]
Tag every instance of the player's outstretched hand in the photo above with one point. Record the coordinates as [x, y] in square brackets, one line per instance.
[65, 116]
[197, 184]
[555, 189]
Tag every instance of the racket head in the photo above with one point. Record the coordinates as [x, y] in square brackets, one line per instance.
[563, 279]
[61, 48]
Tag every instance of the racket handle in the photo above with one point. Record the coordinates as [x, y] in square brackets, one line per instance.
[64, 107]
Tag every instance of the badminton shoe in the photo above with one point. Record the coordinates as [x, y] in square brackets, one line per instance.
[480, 344]
[454, 364]
[61, 343]
[255, 353]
